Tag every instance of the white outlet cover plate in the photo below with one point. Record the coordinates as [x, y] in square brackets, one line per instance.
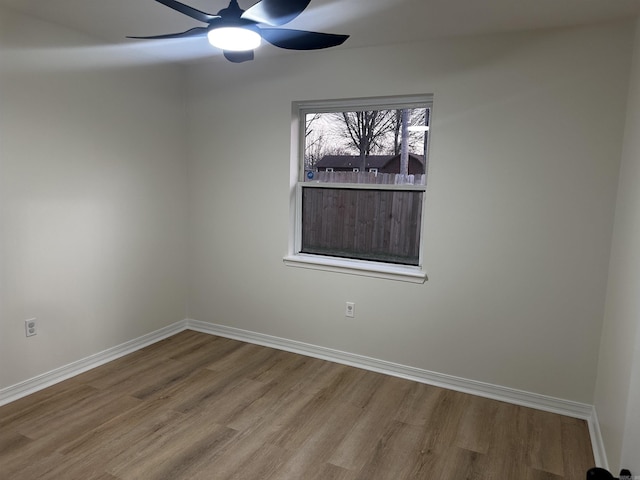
[350, 309]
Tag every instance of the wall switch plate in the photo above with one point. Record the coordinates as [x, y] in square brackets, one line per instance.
[350, 310]
[31, 327]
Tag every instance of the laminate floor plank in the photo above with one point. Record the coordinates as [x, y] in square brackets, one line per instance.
[116, 435]
[252, 366]
[361, 388]
[460, 463]
[478, 419]
[441, 431]
[576, 447]
[319, 376]
[263, 463]
[77, 417]
[117, 371]
[40, 404]
[40, 467]
[544, 445]
[428, 465]
[50, 439]
[207, 352]
[155, 383]
[283, 365]
[395, 453]
[187, 447]
[257, 424]
[317, 442]
[535, 474]
[368, 431]
[201, 389]
[246, 454]
[195, 406]
[320, 407]
[326, 471]
[142, 381]
[12, 443]
[417, 406]
[247, 354]
[191, 343]
[507, 453]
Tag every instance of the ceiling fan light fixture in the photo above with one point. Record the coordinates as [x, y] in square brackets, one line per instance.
[239, 32]
[234, 39]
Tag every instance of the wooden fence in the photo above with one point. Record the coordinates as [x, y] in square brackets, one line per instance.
[369, 224]
[368, 177]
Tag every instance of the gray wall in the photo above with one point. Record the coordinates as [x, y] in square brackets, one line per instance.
[526, 141]
[92, 197]
[617, 397]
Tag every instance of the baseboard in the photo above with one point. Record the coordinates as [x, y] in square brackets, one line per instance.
[22, 389]
[496, 392]
[597, 442]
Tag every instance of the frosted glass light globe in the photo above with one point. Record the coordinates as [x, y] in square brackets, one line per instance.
[234, 39]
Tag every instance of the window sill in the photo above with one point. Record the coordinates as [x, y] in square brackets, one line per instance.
[356, 267]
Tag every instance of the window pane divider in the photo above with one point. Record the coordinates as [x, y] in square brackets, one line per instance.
[365, 186]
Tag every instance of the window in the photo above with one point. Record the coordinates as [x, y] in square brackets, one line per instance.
[359, 173]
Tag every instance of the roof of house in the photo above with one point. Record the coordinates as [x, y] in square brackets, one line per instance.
[353, 161]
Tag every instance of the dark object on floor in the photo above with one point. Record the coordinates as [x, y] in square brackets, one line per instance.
[602, 474]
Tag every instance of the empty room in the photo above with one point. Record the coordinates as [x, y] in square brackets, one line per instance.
[391, 239]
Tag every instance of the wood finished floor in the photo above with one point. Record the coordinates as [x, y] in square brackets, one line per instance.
[196, 406]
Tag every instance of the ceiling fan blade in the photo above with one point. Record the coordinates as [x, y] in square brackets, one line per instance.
[301, 39]
[204, 17]
[275, 12]
[238, 57]
[194, 32]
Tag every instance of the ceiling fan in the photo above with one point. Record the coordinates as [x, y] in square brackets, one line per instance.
[239, 32]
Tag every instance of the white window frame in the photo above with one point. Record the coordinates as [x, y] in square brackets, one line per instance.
[294, 257]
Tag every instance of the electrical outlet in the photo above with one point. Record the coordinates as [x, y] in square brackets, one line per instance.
[30, 327]
[350, 310]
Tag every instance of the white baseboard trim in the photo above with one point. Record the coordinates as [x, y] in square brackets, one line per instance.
[597, 442]
[496, 392]
[22, 389]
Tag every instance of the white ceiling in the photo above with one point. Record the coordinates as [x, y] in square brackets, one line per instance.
[369, 22]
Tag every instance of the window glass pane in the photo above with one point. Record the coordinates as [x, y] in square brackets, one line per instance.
[374, 146]
[364, 224]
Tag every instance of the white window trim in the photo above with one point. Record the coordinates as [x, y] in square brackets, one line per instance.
[295, 258]
[357, 267]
